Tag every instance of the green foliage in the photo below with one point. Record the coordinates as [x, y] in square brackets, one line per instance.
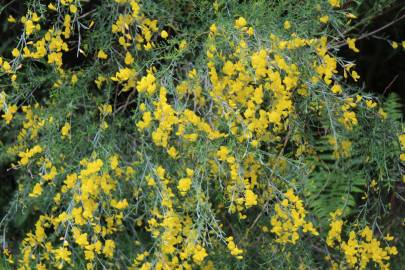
[247, 137]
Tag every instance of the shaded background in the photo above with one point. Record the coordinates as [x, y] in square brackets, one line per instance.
[381, 67]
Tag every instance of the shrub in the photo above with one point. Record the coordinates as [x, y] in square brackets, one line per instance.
[194, 134]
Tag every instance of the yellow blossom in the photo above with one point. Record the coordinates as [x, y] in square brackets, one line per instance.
[73, 8]
[164, 34]
[102, 55]
[240, 22]
[324, 19]
[334, 3]
[287, 25]
[36, 191]
[65, 131]
[184, 185]
[109, 247]
[352, 44]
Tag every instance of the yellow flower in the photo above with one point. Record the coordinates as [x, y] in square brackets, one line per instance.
[334, 3]
[213, 28]
[80, 238]
[352, 44]
[222, 153]
[11, 19]
[15, 52]
[150, 181]
[250, 198]
[402, 140]
[120, 204]
[324, 19]
[29, 27]
[99, 81]
[370, 104]
[129, 59]
[52, 7]
[70, 180]
[62, 254]
[287, 25]
[124, 74]
[172, 152]
[51, 174]
[25, 156]
[105, 109]
[102, 55]
[9, 115]
[73, 8]
[114, 162]
[336, 89]
[199, 254]
[240, 22]
[184, 185]
[164, 34]
[235, 251]
[108, 249]
[146, 121]
[183, 44]
[74, 79]
[36, 191]
[147, 83]
[65, 130]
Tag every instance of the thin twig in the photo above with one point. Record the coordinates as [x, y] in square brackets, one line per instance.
[390, 84]
[366, 35]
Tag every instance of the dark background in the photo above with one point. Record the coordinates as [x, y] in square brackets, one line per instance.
[382, 68]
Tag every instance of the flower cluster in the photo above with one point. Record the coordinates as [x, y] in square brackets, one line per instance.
[289, 219]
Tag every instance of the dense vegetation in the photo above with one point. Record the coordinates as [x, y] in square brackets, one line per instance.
[195, 134]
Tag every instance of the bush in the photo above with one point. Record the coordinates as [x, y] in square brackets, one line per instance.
[194, 135]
